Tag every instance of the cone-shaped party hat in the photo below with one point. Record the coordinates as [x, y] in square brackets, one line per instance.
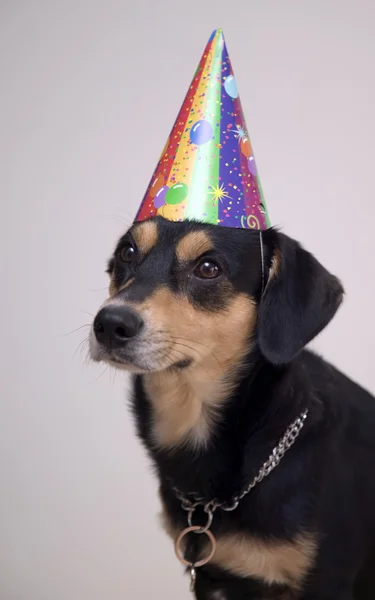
[207, 170]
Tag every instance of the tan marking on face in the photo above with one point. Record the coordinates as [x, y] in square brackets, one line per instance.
[273, 561]
[145, 236]
[276, 264]
[193, 245]
[113, 290]
[187, 402]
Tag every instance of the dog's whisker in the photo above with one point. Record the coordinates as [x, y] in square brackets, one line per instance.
[126, 213]
[176, 341]
[200, 343]
[88, 358]
[186, 339]
[117, 216]
[198, 365]
[128, 220]
[81, 346]
[87, 313]
[186, 356]
[167, 354]
[75, 330]
[101, 374]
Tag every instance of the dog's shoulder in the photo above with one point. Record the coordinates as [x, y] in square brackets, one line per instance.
[334, 387]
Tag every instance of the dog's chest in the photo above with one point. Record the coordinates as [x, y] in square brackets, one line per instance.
[273, 561]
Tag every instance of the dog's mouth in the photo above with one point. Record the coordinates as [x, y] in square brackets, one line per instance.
[130, 359]
[140, 356]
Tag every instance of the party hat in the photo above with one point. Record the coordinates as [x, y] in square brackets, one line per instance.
[207, 171]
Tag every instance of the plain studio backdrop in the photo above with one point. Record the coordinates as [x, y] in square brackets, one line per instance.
[89, 92]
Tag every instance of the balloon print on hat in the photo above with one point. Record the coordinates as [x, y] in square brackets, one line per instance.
[158, 181]
[201, 132]
[245, 147]
[252, 166]
[177, 193]
[159, 199]
[230, 86]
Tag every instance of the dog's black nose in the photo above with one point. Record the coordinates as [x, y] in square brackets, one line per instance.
[114, 325]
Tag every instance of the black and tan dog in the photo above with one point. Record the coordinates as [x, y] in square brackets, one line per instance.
[213, 322]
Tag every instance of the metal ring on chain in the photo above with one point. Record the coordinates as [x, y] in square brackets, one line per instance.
[204, 528]
[179, 551]
[188, 506]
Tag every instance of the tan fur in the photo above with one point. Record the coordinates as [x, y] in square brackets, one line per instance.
[193, 245]
[145, 236]
[273, 561]
[129, 282]
[113, 290]
[186, 403]
[276, 264]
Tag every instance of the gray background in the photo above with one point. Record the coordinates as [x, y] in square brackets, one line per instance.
[89, 91]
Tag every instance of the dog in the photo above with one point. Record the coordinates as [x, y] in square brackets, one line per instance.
[265, 449]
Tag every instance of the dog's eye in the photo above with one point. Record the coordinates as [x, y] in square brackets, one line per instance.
[207, 269]
[127, 253]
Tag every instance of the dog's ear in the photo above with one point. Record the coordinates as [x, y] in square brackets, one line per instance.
[299, 300]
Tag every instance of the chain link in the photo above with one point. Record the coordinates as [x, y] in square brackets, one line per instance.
[191, 501]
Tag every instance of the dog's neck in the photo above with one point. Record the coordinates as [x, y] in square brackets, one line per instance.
[256, 410]
[188, 403]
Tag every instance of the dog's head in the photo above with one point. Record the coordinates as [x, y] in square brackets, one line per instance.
[184, 293]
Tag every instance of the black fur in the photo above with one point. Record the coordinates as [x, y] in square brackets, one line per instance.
[297, 304]
[326, 482]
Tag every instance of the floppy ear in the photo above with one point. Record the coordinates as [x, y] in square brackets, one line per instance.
[300, 299]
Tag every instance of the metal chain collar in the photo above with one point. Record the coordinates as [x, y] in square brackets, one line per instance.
[191, 501]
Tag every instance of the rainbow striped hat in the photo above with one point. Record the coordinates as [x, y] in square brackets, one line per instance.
[207, 171]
